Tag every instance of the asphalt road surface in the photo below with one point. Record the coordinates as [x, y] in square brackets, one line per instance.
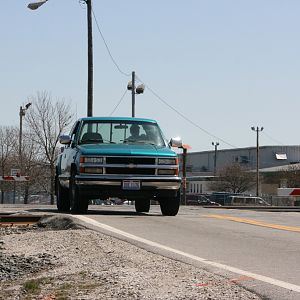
[259, 250]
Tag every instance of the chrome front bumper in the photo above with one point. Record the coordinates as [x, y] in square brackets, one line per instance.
[155, 182]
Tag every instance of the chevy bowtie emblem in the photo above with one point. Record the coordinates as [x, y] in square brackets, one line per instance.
[131, 166]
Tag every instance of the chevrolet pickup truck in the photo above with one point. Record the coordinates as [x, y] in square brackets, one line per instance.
[127, 158]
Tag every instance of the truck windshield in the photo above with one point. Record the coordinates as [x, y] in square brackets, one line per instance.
[121, 132]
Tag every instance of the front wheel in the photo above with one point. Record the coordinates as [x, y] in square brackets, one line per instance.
[169, 206]
[62, 197]
[78, 203]
[142, 205]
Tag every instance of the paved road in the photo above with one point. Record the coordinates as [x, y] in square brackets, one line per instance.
[259, 250]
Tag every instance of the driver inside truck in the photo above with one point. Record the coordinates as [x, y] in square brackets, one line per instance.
[135, 133]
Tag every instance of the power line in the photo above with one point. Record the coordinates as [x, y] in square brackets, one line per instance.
[118, 103]
[278, 142]
[186, 118]
[154, 93]
[107, 48]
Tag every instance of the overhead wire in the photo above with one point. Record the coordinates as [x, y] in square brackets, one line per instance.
[112, 59]
[184, 117]
[118, 103]
[151, 90]
[107, 48]
[271, 138]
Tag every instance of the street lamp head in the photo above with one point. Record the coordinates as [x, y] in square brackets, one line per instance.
[140, 89]
[27, 105]
[261, 129]
[253, 128]
[36, 5]
[129, 86]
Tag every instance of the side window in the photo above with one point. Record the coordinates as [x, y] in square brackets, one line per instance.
[74, 130]
[249, 201]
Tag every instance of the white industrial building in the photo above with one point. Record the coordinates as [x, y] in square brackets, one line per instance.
[200, 166]
[202, 163]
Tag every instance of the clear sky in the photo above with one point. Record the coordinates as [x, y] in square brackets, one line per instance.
[223, 65]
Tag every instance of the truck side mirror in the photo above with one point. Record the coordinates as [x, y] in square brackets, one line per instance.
[65, 139]
[176, 142]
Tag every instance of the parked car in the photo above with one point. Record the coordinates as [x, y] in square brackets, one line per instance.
[247, 201]
[200, 200]
[125, 158]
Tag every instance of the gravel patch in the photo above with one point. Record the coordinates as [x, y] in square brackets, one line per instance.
[60, 260]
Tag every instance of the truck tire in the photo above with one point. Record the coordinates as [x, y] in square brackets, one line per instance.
[62, 197]
[142, 205]
[169, 206]
[78, 203]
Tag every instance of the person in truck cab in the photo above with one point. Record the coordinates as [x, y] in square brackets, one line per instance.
[135, 133]
[152, 135]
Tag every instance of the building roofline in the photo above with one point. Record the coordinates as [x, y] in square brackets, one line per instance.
[243, 148]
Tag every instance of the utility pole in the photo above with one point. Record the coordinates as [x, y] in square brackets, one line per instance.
[216, 144]
[184, 152]
[258, 130]
[90, 59]
[133, 95]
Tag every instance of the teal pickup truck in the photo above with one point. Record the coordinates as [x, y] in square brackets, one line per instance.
[127, 158]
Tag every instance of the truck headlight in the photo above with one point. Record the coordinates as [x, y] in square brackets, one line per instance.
[92, 170]
[167, 161]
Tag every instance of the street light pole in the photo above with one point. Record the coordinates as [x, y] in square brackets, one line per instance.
[35, 5]
[22, 114]
[257, 129]
[133, 95]
[134, 90]
[216, 144]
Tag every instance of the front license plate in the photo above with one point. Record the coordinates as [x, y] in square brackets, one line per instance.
[131, 185]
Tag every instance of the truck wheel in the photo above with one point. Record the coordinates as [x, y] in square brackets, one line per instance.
[62, 198]
[142, 205]
[169, 206]
[78, 203]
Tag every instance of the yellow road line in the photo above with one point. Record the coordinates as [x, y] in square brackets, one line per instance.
[256, 223]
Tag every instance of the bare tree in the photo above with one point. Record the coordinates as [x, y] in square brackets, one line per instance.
[234, 179]
[291, 175]
[8, 144]
[46, 120]
[32, 158]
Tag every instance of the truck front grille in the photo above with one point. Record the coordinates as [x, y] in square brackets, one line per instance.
[131, 160]
[131, 171]
[130, 165]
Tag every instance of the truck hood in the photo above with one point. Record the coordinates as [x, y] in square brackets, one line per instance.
[125, 150]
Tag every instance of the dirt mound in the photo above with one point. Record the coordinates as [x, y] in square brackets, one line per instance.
[58, 223]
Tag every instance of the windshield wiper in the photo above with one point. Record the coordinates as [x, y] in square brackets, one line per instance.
[139, 142]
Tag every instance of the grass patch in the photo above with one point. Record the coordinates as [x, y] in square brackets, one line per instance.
[62, 297]
[32, 286]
